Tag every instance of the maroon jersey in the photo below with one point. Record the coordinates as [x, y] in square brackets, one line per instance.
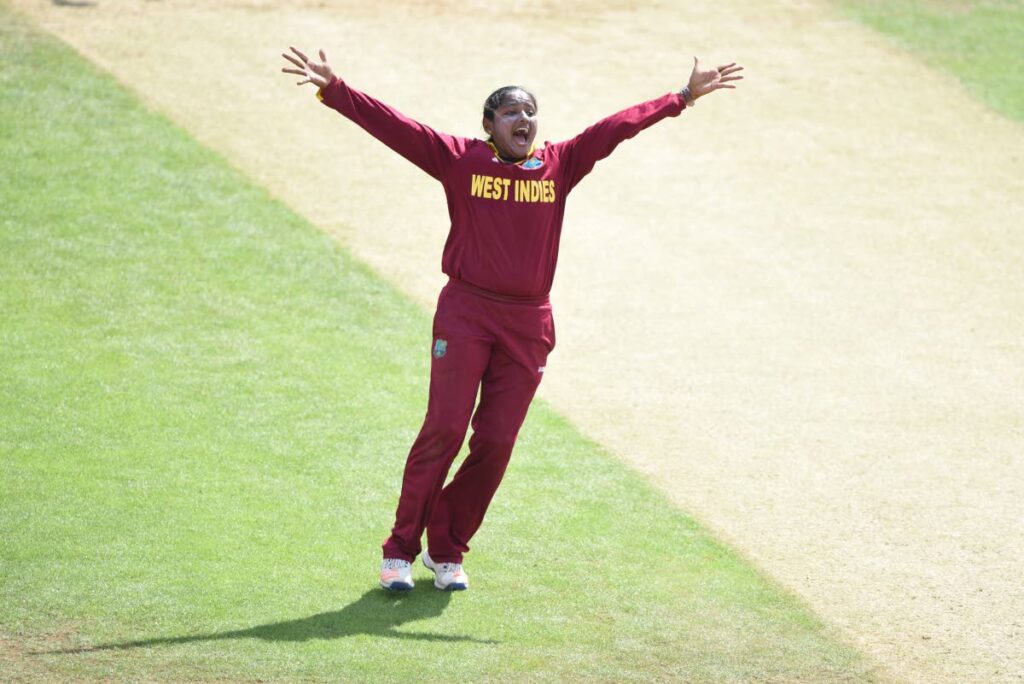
[506, 218]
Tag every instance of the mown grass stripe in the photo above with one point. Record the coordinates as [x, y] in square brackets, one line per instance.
[981, 43]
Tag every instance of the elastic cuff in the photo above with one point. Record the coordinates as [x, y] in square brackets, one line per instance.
[393, 549]
[320, 93]
[446, 559]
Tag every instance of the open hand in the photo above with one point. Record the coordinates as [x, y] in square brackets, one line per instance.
[317, 73]
[704, 81]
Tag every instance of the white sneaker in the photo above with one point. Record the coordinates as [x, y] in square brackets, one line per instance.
[396, 574]
[447, 576]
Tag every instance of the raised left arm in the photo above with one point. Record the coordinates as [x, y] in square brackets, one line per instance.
[581, 153]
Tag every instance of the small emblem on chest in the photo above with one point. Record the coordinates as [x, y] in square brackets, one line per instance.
[532, 163]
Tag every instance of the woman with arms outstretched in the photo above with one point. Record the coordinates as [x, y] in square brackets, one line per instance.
[493, 327]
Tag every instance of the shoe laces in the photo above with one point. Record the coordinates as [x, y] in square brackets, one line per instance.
[394, 564]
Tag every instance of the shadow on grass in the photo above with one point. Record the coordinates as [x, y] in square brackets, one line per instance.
[376, 613]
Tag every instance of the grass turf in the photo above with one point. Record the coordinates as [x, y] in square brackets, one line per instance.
[205, 405]
[981, 42]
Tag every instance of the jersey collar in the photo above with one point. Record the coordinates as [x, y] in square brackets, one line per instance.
[497, 155]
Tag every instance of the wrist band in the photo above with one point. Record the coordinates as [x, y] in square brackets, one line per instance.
[687, 96]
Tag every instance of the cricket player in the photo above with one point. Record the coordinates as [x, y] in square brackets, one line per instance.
[493, 328]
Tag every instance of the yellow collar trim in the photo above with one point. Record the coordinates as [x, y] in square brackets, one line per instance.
[533, 148]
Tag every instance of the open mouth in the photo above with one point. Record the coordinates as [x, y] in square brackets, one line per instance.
[521, 134]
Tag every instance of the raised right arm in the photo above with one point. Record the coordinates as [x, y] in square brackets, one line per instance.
[422, 145]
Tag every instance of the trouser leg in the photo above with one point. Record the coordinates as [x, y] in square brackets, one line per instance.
[507, 389]
[454, 380]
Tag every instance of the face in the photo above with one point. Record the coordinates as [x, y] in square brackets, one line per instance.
[515, 126]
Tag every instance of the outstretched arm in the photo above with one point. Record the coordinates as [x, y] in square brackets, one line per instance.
[423, 146]
[600, 140]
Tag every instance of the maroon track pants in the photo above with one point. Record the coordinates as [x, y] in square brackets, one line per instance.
[480, 342]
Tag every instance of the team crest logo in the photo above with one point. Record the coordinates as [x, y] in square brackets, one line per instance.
[532, 163]
[440, 347]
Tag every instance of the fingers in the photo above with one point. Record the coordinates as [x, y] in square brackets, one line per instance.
[293, 60]
[730, 78]
[303, 62]
[719, 72]
[317, 73]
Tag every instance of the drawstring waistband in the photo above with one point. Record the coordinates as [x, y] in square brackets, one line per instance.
[497, 296]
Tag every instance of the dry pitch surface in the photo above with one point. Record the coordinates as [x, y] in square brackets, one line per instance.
[799, 308]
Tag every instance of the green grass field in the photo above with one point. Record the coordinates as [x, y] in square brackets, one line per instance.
[205, 406]
[979, 42]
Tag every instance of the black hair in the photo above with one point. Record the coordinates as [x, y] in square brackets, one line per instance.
[498, 97]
